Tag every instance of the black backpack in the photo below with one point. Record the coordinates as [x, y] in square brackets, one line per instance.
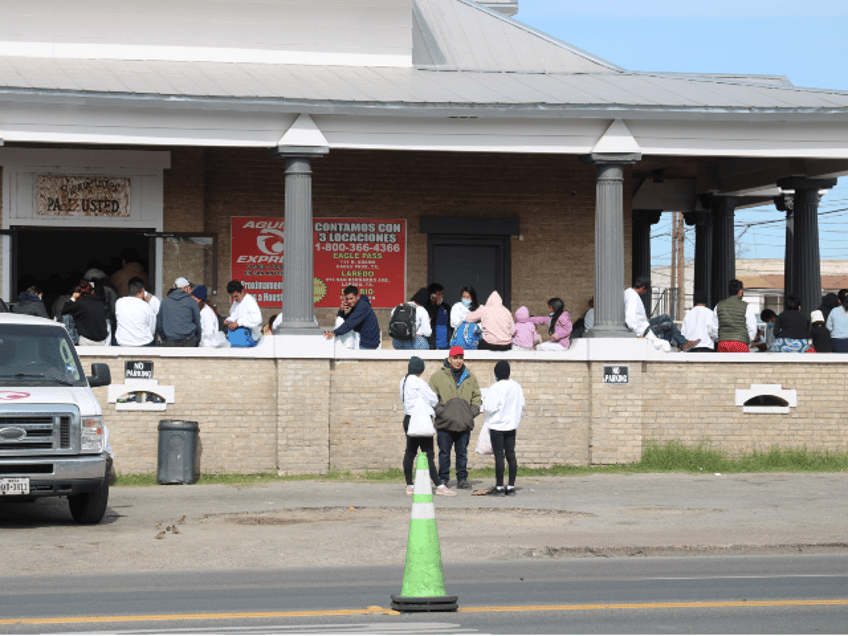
[402, 322]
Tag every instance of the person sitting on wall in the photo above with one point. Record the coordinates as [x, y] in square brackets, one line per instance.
[791, 329]
[178, 320]
[496, 323]
[360, 317]
[245, 319]
[89, 311]
[210, 334]
[735, 321]
[698, 324]
[766, 340]
[135, 318]
[662, 326]
[30, 303]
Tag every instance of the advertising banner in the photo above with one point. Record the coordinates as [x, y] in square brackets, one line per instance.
[368, 253]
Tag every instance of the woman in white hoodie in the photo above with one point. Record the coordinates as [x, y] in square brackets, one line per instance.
[412, 391]
[503, 405]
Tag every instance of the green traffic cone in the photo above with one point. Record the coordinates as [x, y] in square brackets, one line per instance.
[423, 578]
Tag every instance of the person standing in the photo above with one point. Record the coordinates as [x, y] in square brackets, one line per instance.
[459, 403]
[135, 318]
[131, 268]
[837, 325]
[360, 317]
[503, 405]
[245, 319]
[735, 321]
[414, 391]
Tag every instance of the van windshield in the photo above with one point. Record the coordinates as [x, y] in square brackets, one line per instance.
[37, 355]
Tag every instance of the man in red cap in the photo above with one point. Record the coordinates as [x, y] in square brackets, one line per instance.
[459, 403]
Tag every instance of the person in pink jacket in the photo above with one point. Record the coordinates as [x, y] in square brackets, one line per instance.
[559, 326]
[525, 337]
[496, 323]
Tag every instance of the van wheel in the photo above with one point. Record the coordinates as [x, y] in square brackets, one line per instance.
[90, 507]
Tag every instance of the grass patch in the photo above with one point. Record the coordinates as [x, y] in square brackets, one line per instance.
[667, 457]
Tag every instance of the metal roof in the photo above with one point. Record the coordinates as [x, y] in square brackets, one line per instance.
[467, 57]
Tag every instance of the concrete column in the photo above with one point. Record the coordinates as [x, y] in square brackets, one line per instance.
[786, 203]
[642, 221]
[806, 277]
[298, 315]
[724, 246]
[609, 243]
[703, 222]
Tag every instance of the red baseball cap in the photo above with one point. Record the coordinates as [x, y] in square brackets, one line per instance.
[456, 351]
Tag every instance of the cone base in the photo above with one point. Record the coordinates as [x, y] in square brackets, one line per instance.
[424, 603]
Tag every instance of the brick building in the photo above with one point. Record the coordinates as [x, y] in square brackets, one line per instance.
[511, 159]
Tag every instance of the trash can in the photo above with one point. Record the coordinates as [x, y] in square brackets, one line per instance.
[177, 452]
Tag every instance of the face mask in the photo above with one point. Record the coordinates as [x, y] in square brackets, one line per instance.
[466, 302]
[551, 315]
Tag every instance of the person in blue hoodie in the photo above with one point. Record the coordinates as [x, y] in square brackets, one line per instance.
[360, 317]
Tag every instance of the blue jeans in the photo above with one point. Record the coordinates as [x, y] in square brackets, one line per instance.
[446, 440]
[663, 327]
[420, 342]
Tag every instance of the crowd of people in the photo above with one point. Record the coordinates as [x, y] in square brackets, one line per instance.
[118, 310]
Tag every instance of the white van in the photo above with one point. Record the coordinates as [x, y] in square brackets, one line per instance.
[53, 442]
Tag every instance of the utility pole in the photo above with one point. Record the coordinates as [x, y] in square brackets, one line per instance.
[681, 265]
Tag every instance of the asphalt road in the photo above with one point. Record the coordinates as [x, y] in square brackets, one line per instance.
[763, 594]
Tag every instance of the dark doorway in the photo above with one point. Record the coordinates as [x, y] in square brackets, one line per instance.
[55, 259]
[479, 261]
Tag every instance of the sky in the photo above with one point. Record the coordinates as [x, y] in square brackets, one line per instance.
[804, 41]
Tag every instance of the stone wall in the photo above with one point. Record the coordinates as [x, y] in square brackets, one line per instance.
[311, 415]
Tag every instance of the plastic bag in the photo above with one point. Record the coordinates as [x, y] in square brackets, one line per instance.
[484, 442]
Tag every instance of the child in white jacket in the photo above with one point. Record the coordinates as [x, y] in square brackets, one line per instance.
[503, 405]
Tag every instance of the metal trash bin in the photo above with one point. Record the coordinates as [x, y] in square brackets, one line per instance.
[177, 452]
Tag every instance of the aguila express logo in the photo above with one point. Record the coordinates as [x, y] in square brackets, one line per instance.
[271, 241]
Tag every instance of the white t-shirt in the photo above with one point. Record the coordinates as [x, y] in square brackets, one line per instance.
[699, 325]
[210, 334]
[136, 322]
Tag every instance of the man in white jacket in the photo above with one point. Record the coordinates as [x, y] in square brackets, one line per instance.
[503, 405]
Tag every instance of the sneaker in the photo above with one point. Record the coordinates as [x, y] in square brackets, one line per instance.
[445, 491]
[464, 485]
[410, 490]
[496, 492]
[510, 490]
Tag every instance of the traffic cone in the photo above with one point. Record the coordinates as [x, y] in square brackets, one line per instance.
[423, 578]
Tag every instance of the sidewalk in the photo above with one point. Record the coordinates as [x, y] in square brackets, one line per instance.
[315, 523]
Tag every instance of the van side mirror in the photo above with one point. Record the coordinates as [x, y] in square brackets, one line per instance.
[100, 375]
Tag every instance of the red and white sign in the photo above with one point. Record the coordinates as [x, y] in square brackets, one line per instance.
[368, 253]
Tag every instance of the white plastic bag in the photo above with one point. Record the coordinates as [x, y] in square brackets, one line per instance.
[484, 442]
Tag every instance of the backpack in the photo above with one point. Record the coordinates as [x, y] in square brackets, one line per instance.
[402, 322]
[467, 335]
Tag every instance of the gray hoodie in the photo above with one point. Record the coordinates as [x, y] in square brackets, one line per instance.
[178, 317]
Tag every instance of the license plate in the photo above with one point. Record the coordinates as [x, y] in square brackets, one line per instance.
[14, 486]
